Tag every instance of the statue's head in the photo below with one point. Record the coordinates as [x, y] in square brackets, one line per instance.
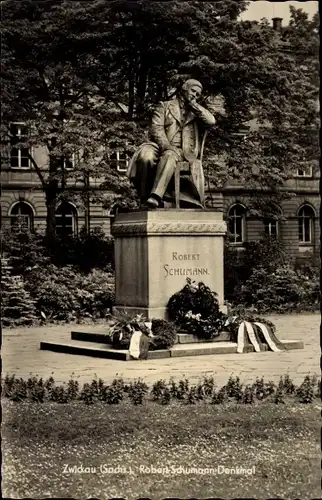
[191, 90]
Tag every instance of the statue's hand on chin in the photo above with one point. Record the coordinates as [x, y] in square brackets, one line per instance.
[193, 104]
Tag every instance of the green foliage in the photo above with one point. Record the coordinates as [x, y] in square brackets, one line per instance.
[87, 73]
[219, 397]
[59, 394]
[238, 266]
[163, 392]
[238, 315]
[248, 396]
[278, 291]
[279, 394]
[26, 250]
[72, 389]
[87, 395]
[15, 389]
[208, 384]
[263, 390]
[305, 392]
[110, 394]
[158, 389]
[65, 294]
[98, 391]
[192, 396]
[113, 395]
[234, 388]
[17, 305]
[164, 334]
[195, 308]
[86, 252]
[287, 384]
[165, 396]
[137, 391]
[265, 278]
[122, 324]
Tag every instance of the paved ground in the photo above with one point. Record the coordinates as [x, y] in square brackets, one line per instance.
[21, 355]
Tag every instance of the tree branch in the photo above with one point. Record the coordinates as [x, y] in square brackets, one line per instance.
[38, 171]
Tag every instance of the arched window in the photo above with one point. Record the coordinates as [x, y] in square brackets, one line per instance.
[22, 217]
[236, 223]
[66, 220]
[306, 218]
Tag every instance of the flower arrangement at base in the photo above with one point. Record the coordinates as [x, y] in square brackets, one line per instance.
[195, 309]
[249, 330]
[164, 334]
[161, 334]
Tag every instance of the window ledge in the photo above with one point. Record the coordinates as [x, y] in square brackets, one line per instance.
[308, 247]
[237, 246]
[20, 168]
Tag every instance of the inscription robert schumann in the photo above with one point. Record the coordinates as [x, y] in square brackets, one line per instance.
[171, 270]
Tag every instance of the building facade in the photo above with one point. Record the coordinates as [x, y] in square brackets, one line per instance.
[23, 202]
[23, 205]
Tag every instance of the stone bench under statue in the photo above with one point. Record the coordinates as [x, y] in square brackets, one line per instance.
[187, 168]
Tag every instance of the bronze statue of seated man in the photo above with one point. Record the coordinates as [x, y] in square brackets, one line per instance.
[176, 132]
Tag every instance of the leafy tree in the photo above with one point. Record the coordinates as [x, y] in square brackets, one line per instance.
[17, 305]
[42, 87]
[86, 75]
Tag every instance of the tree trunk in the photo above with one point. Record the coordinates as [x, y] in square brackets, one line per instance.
[51, 191]
[141, 86]
[87, 204]
[51, 198]
[131, 91]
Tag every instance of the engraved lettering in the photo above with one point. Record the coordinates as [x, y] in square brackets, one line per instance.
[183, 271]
[185, 256]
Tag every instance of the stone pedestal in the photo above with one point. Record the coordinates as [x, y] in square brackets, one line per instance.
[156, 250]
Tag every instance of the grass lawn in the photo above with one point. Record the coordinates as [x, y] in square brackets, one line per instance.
[280, 441]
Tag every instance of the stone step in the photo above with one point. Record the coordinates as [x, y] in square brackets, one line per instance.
[196, 349]
[99, 351]
[187, 338]
[89, 337]
[181, 338]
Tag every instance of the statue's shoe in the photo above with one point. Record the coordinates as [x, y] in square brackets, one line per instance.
[152, 203]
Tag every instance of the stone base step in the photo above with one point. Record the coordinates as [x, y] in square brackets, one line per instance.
[187, 338]
[107, 352]
[181, 338]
